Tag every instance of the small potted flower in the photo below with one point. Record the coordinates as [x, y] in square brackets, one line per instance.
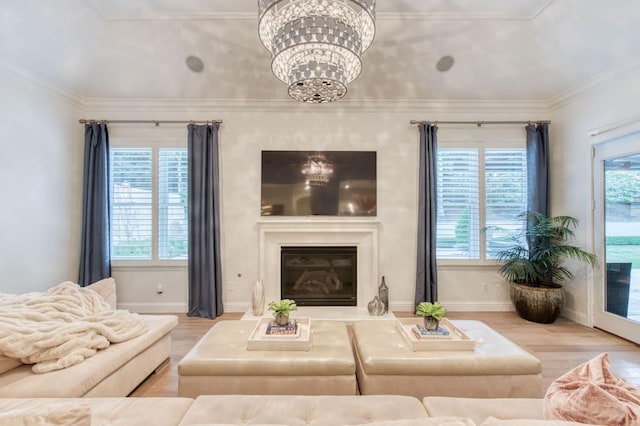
[281, 310]
[432, 313]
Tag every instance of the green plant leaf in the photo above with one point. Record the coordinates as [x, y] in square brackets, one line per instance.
[428, 309]
[539, 259]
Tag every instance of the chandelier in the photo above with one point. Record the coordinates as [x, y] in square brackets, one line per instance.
[316, 44]
[317, 170]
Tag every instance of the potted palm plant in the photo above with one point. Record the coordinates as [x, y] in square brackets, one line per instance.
[432, 313]
[534, 265]
[281, 310]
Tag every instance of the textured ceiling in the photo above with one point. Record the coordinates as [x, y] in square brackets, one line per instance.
[503, 49]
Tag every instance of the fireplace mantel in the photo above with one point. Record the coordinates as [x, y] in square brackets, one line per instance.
[362, 233]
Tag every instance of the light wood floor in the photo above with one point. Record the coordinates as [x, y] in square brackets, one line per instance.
[560, 346]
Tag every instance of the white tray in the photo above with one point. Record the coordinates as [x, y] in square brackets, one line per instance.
[260, 341]
[456, 341]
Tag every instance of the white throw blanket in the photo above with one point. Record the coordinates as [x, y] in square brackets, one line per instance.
[62, 326]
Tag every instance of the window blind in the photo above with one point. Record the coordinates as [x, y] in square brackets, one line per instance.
[506, 195]
[172, 203]
[458, 203]
[131, 203]
[478, 188]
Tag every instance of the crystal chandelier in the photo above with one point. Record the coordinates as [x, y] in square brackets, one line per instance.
[317, 170]
[316, 44]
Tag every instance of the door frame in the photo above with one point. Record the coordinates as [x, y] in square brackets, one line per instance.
[617, 141]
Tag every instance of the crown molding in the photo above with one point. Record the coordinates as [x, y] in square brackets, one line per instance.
[219, 107]
[65, 95]
[567, 97]
[460, 16]
[544, 107]
[209, 107]
[381, 16]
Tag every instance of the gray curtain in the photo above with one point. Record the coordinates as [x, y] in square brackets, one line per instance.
[538, 168]
[427, 271]
[205, 275]
[95, 250]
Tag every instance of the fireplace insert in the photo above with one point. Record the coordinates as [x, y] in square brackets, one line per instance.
[319, 276]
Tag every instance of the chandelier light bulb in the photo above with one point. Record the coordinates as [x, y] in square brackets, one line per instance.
[316, 45]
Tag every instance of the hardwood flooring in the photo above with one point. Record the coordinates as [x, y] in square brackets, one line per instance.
[560, 346]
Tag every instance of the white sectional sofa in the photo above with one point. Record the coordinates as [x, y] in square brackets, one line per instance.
[112, 372]
[278, 410]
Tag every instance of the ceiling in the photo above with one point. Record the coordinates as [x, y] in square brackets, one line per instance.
[534, 50]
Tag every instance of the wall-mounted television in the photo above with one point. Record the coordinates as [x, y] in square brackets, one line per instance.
[329, 183]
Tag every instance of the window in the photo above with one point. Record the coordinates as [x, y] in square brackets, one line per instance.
[148, 190]
[478, 187]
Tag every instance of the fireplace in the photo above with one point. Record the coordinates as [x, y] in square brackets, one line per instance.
[276, 233]
[319, 276]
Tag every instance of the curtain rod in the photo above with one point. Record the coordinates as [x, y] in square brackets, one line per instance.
[156, 122]
[480, 123]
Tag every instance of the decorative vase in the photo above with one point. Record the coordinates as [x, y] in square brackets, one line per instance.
[281, 318]
[257, 298]
[430, 323]
[376, 307]
[383, 293]
[537, 304]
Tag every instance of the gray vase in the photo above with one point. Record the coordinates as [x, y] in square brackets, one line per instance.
[430, 323]
[376, 307]
[281, 319]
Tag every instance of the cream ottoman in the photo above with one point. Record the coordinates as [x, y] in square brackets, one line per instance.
[221, 364]
[496, 368]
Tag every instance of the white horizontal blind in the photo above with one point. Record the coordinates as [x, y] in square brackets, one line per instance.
[131, 203]
[506, 195]
[172, 203]
[458, 203]
[478, 188]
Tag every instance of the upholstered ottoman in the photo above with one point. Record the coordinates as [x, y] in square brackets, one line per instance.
[325, 410]
[496, 367]
[221, 364]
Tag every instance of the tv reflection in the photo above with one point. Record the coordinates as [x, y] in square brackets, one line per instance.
[330, 183]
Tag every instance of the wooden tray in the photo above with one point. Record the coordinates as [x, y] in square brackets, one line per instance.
[260, 341]
[456, 341]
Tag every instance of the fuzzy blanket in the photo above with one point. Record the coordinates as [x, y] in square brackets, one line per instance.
[62, 326]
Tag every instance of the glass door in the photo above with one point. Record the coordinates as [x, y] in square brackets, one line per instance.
[617, 214]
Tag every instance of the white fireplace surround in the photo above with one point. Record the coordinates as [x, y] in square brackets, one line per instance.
[361, 233]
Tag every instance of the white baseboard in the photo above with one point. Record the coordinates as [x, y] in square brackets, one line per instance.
[178, 308]
[237, 306]
[479, 306]
[460, 306]
[155, 308]
[409, 306]
[579, 317]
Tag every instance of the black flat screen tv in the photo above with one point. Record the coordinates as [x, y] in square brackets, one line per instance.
[328, 183]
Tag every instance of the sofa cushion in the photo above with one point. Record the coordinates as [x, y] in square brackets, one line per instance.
[479, 409]
[7, 363]
[324, 410]
[492, 421]
[48, 414]
[591, 393]
[110, 411]
[107, 289]
[430, 421]
[77, 380]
